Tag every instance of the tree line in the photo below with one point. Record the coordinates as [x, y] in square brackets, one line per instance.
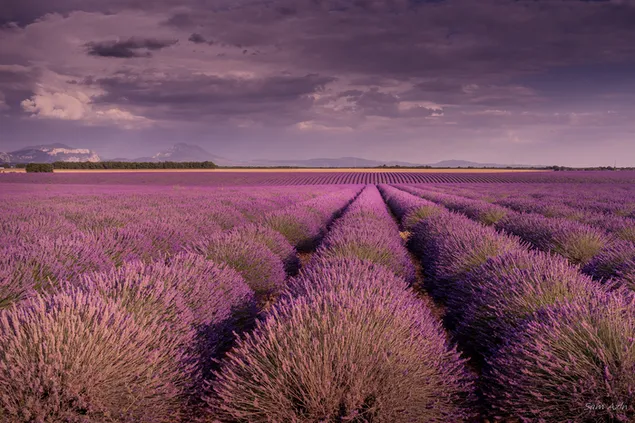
[50, 167]
[134, 165]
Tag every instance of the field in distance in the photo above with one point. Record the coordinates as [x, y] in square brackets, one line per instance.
[266, 170]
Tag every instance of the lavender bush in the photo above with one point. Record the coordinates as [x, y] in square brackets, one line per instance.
[572, 362]
[214, 292]
[301, 228]
[367, 231]
[418, 213]
[137, 291]
[505, 290]
[579, 245]
[305, 223]
[202, 302]
[379, 357]
[450, 246]
[343, 274]
[481, 211]
[275, 241]
[262, 270]
[29, 267]
[408, 208]
[575, 241]
[616, 262]
[17, 280]
[75, 357]
[221, 303]
[374, 243]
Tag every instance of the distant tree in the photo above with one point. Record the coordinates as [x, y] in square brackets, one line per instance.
[39, 168]
[135, 165]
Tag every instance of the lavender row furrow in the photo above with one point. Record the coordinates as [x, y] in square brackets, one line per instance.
[555, 200]
[139, 340]
[39, 250]
[612, 210]
[348, 341]
[600, 254]
[304, 224]
[547, 338]
[265, 253]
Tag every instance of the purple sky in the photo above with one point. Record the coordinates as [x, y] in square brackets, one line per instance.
[507, 81]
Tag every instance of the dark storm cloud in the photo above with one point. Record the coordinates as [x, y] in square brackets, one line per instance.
[376, 103]
[459, 39]
[278, 98]
[197, 38]
[133, 47]
[16, 84]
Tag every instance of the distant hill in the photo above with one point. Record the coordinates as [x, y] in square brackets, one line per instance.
[183, 152]
[49, 153]
[190, 153]
[340, 162]
[359, 162]
[465, 163]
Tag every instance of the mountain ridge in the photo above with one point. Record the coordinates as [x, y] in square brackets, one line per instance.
[48, 153]
[183, 152]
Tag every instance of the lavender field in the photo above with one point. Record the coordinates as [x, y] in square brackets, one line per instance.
[317, 297]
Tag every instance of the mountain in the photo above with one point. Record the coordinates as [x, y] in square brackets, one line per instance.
[465, 163]
[359, 162]
[340, 162]
[191, 153]
[182, 152]
[49, 153]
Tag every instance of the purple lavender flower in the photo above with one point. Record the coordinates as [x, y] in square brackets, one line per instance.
[450, 246]
[301, 228]
[575, 241]
[262, 270]
[374, 354]
[367, 231]
[74, 356]
[571, 362]
[27, 267]
[275, 241]
[340, 274]
[505, 290]
[615, 263]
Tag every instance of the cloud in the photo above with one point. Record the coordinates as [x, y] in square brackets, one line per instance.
[313, 126]
[488, 112]
[133, 47]
[60, 100]
[57, 105]
[276, 99]
[197, 38]
[16, 82]
[3, 104]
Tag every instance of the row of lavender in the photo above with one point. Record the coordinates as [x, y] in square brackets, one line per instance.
[605, 255]
[554, 200]
[349, 340]
[137, 341]
[552, 344]
[612, 210]
[270, 177]
[56, 236]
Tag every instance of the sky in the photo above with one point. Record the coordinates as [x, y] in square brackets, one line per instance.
[505, 81]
